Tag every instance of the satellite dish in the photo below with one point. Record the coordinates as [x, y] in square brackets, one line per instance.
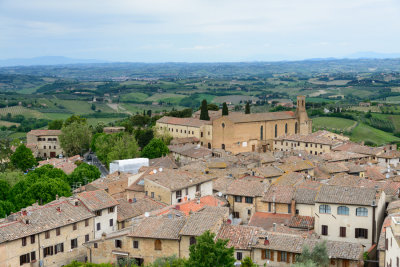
[146, 214]
[220, 194]
[154, 171]
[160, 169]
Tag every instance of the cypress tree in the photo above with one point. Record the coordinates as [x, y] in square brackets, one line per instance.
[225, 111]
[247, 108]
[204, 111]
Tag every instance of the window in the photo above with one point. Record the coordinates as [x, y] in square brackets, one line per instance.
[361, 233]
[33, 255]
[118, 243]
[44, 147]
[74, 243]
[239, 256]
[178, 194]
[343, 210]
[198, 188]
[47, 234]
[192, 240]
[289, 208]
[24, 241]
[58, 231]
[59, 248]
[295, 128]
[135, 244]
[157, 244]
[86, 238]
[236, 215]
[266, 254]
[32, 239]
[47, 251]
[342, 231]
[24, 259]
[238, 199]
[111, 222]
[74, 226]
[276, 130]
[284, 256]
[146, 193]
[186, 191]
[261, 132]
[95, 245]
[324, 229]
[201, 134]
[98, 212]
[362, 212]
[152, 194]
[249, 200]
[98, 227]
[324, 209]
[123, 224]
[86, 222]
[248, 212]
[110, 209]
[286, 128]
[269, 207]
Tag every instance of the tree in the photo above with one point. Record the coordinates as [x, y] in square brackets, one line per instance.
[171, 261]
[110, 147]
[4, 190]
[5, 153]
[84, 174]
[74, 118]
[225, 110]
[247, 262]
[143, 137]
[6, 208]
[212, 106]
[162, 134]
[11, 177]
[247, 108]
[209, 253]
[204, 111]
[75, 138]
[155, 149]
[55, 125]
[23, 158]
[93, 107]
[318, 256]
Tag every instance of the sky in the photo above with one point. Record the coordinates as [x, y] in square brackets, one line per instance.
[197, 30]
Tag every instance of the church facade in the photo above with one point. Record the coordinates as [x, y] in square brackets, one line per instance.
[239, 132]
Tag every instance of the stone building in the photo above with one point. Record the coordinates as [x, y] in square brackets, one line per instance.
[44, 143]
[50, 235]
[392, 242]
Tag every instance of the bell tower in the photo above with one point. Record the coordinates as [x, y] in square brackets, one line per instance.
[304, 123]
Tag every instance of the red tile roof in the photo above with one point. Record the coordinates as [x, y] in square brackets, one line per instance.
[266, 219]
[97, 200]
[44, 132]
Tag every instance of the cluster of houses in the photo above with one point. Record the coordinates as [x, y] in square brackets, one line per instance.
[306, 188]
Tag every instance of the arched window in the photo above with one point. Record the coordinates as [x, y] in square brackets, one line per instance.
[157, 244]
[209, 145]
[276, 130]
[343, 210]
[223, 125]
[223, 146]
[286, 128]
[362, 212]
[324, 209]
[192, 240]
[261, 132]
[295, 128]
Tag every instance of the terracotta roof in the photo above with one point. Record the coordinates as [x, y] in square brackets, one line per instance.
[239, 236]
[279, 194]
[192, 151]
[44, 132]
[177, 179]
[65, 164]
[238, 117]
[314, 138]
[268, 171]
[198, 204]
[192, 122]
[222, 184]
[382, 235]
[346, 195]
[333, 167]
[296, 166]
[199, 222]
[43, 218]
[375, 173]
[303, 222]
[342, 156]
[164, 162]
[291, 178]
[344, 179]
[295, 244]
[97, 200]
[159, 228]
[127, 210]
[394, 205]
[246, 188]
[266, 219]
[184, 140]
[306, 192]
[391, 154]
[357, 148]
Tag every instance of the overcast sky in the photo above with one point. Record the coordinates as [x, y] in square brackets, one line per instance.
[197, 30]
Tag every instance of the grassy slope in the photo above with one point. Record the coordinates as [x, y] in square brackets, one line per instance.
[366, 133]
[332, 122]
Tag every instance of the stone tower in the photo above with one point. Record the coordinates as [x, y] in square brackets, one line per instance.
[304, 123]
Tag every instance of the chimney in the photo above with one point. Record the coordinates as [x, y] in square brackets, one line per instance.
[76, 203]
[24, 213]
[177, 207]
[58, 209]
[57, 197]
[293, 207]
[130, 200]
[274, 227]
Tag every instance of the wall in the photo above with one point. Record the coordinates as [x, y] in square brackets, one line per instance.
[104, 221]
[311, 148]
[160, 193]
[33, 139]
[305, 209]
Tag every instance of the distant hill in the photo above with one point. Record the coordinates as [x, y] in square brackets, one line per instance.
[48, 60]
[369, 54]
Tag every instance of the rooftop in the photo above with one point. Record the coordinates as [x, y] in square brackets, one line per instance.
[238, 117]
[193, 122]
[45, 132]
[346, 195]
[246, 188]
[159, 228]
[97, 200]
[239, 236]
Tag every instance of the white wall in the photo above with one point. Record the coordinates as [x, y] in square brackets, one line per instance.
[305, 209]
[206, 189]
[393, 251]
[104, 221]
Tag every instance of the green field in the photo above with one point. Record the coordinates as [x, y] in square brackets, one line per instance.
[134, 96]
[171, 98]
[19, 110]
[332, 123]
[365, 133]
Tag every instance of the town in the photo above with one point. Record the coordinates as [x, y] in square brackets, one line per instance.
[265, 182]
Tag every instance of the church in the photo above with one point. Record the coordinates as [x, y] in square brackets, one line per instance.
[239, 132]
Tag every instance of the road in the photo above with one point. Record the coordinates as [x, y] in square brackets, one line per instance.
[96, 162]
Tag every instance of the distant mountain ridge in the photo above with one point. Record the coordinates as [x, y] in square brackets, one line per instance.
[46, 60]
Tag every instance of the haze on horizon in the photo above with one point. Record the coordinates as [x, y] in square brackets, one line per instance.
[197, 30]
